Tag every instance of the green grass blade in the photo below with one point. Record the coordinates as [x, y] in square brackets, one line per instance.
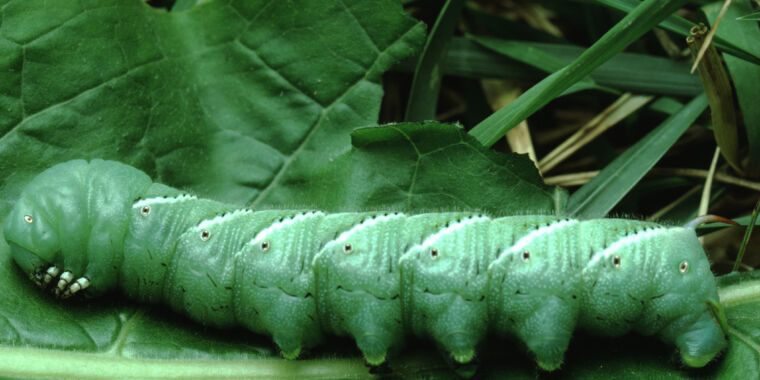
[622, 72]
[423, 97]
[469, 60]
[631, 27]
[603, 192]
[524, 52]
[755, 16]
[745, 239]
[682, 26]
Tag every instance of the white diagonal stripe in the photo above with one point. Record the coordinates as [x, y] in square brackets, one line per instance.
[284, 224]
[163, 200]
[535, 234]
[221, 218]
[452, 228]
[622, 243]
[367, 223]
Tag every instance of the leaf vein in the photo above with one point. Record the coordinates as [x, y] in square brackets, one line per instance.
[312, 131]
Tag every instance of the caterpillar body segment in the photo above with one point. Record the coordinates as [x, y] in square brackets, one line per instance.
[360, 283]
[84, 228]
[150, 243]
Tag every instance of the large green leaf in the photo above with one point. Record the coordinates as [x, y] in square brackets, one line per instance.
[429, 166]
[249, 102]
[250, 93]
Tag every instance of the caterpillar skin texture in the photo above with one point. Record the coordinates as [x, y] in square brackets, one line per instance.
[90, 227]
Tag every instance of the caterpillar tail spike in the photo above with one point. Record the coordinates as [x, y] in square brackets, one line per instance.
[87, 228]
[709, 219]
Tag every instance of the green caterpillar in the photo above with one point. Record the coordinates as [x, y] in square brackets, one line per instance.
[86, 228]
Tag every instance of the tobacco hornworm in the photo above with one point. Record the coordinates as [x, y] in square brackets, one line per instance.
[86, 228]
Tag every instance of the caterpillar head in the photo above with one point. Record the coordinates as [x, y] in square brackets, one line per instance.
[67, 229]
[698, 325]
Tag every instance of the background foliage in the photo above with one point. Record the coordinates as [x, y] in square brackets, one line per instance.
[276, 103]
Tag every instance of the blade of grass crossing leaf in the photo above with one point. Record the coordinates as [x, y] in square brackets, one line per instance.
[747, 234]
[755, 16]
[426, 84]
[603, 192]
[746, 76]
[682, 26]
[630, 28]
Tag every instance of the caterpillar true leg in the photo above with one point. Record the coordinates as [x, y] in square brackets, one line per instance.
[63, 282]
[81, 283]
[49, 275]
